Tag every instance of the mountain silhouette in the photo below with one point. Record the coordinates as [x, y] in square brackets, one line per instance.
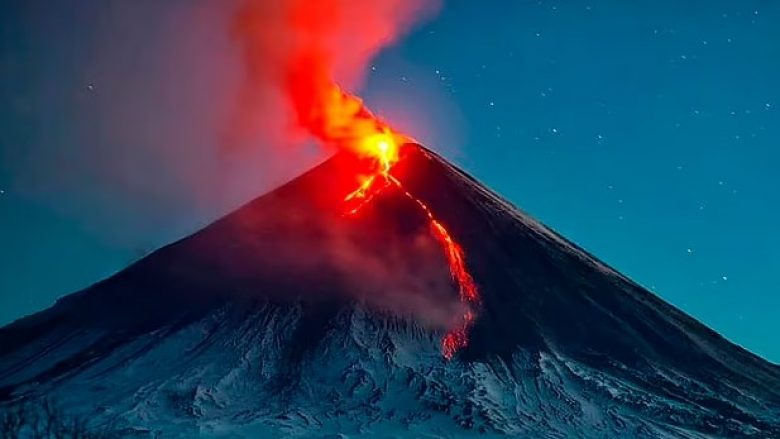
[287, 319]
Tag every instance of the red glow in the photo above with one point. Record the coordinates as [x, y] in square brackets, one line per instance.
[456, 338]
[305, 49]
[308, 50]
[384, 151]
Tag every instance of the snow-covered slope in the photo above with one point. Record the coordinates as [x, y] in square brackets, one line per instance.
[287, 319]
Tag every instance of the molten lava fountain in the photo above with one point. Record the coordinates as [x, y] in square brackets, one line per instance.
[376, 141]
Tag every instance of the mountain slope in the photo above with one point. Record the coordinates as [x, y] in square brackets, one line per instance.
[285, 318]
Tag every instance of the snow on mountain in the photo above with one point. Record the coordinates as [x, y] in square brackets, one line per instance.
[284, 319]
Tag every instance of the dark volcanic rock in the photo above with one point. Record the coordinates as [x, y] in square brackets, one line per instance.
[286, 319]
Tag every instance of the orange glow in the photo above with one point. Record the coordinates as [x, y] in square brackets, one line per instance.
[383, 146]
[365, 193]
[340, 119]
[383, 149]
[456, 338]
[298, 47]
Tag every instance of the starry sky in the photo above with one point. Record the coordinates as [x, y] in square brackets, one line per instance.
[646, 131]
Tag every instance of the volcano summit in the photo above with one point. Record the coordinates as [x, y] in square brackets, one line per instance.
[287, 318]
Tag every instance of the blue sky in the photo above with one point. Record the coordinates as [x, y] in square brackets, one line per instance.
[647, 132]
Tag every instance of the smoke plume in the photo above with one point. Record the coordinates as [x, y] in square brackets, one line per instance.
[309, 52]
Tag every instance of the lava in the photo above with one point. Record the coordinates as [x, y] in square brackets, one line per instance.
[383, 149]
[300, 47]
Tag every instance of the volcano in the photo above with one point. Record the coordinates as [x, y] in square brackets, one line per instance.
[286, 319]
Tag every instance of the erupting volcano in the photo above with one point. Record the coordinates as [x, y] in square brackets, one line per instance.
[294, 47]
[267, 324]
[382, 150]
[383, 293]
[318, 309]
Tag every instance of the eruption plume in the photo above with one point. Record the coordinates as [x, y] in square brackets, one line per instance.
[309, 49]
[305, 49]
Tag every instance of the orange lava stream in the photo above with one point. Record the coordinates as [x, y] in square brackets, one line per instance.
[456, 338]
[386, 156]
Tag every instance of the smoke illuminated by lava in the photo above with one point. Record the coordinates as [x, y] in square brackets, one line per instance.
[305, 48]
[384, 153]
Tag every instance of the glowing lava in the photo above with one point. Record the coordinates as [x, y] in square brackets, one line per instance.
[298, 48]
[341, 119]
[383, 149]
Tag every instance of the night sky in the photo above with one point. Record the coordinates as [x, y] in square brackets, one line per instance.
[647, 132]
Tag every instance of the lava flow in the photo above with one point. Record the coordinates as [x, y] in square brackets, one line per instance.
[300, 48]
[383, 148]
